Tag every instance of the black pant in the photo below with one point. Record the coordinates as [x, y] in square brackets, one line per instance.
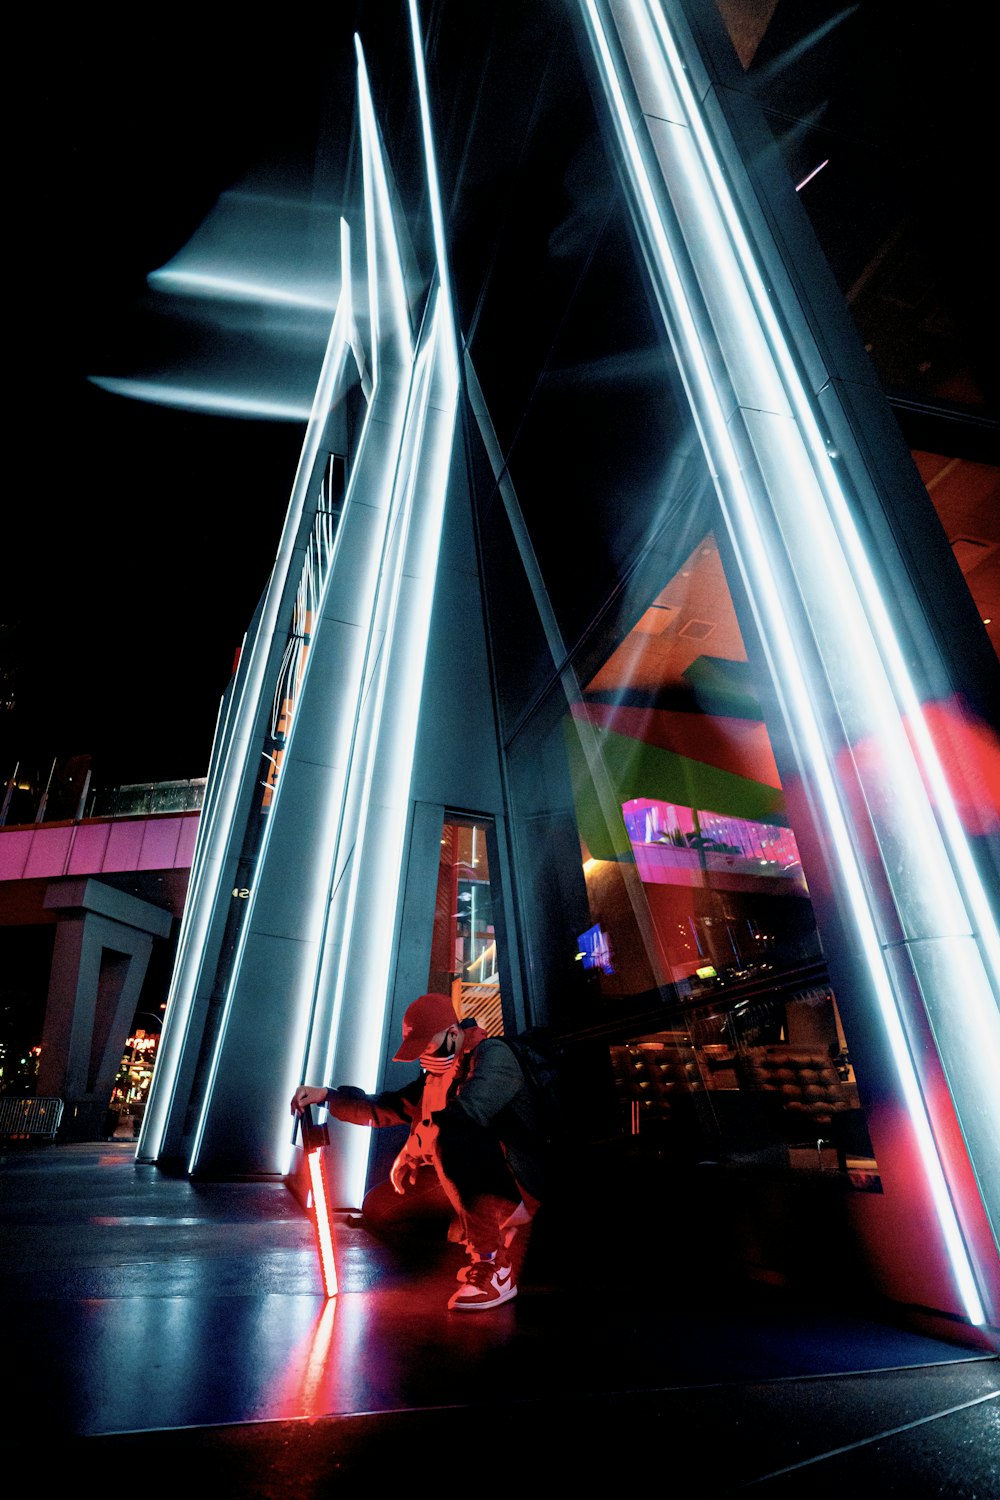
[469, 1181]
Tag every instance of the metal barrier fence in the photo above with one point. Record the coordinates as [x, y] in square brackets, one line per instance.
[29, 1119]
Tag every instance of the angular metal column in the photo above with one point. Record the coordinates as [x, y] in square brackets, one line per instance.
[852, 662]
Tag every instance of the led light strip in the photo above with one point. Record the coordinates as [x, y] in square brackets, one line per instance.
[657, 42]
[381, 632]
[393, 716]
[323, 1220]
[315, 571]
[949, 884]
[385, 750]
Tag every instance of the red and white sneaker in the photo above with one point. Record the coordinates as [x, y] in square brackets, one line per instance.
[484, 1283]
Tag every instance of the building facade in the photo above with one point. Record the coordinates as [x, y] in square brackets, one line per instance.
[616, 671]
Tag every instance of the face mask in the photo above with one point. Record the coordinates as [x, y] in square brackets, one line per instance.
[440, 1061]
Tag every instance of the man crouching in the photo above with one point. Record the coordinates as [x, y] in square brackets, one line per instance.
[474, 1123]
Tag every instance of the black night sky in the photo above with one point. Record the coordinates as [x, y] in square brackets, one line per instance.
[139, 536]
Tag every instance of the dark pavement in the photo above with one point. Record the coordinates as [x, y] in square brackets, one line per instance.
[177, 1332]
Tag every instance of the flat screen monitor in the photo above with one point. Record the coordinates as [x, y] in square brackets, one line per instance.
[595, 949]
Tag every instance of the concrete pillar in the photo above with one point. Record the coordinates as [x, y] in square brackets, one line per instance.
[103, 941]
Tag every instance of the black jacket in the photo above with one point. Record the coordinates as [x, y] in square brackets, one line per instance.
[487, 1088]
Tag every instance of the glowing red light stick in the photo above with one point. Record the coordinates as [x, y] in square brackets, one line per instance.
[314, 1138]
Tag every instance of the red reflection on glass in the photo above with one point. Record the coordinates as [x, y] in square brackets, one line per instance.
[969, 752]
[969, 755]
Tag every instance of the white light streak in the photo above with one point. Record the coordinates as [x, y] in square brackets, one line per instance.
[224, 403]
[215, 284]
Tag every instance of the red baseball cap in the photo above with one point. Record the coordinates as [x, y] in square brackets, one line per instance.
[424, 1018]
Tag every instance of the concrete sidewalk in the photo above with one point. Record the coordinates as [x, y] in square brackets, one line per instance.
[180, 1328]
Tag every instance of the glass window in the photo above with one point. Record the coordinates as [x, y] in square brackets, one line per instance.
[764, 1081]
[524, 226]
[514, 625]
[666, 901]
[495, 66]
[464, 959]
[607, 442]
[886, 129]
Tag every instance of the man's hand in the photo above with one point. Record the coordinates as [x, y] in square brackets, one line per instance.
[306, 1095]
[404, 1172]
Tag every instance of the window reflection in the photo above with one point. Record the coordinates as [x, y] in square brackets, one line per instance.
[921, 285]
[764, 1082]
[698, 806]
[691, 899]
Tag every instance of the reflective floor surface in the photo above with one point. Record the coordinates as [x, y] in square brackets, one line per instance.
[182, 1328]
